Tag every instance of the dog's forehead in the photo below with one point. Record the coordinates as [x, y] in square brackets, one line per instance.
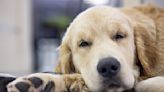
[100, 13]
[101, 16]
[98, 18]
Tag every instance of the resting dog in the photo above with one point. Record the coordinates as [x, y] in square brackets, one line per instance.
[107, 49]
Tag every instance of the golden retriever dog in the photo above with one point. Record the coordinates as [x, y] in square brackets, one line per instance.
[109, 49]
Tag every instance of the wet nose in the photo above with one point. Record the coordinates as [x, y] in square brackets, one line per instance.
[108, 67]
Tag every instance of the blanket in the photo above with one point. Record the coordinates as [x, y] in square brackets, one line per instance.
[4, 80]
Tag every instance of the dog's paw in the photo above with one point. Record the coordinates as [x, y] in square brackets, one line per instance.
[40, 82]
[44, 82]
[24, 84]
[154, 84]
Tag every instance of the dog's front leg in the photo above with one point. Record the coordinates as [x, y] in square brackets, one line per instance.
[155, 84]
[45, 82]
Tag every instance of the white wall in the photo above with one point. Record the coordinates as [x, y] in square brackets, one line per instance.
[159, 3]
[15, 40]
[131, 2]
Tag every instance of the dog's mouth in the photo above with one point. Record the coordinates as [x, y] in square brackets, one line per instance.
[117, 87]
[113, 88]
[113, 85]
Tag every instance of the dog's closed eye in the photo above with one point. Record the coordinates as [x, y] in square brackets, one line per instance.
[118, 36]
[84, 43]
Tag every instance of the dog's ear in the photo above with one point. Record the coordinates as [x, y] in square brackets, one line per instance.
[145, 40]
[65, 57]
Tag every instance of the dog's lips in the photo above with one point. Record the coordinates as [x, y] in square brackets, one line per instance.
[117, 88]
[113, 88]
[113, 84]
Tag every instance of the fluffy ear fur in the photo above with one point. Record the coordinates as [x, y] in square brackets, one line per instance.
[145, 36]
[149, 39]
[65, 58]
[146, 45]
[145, 40]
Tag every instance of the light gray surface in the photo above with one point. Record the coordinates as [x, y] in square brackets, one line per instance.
[159, 3]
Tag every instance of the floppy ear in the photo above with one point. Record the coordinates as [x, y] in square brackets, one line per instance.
[65, 58]
[145, 40]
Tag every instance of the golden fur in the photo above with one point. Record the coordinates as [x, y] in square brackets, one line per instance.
[148, 28]
[141, 53]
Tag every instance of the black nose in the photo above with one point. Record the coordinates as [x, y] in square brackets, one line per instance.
[108, 67]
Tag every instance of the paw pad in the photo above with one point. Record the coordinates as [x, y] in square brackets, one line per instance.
[22, 86]
[37, 82]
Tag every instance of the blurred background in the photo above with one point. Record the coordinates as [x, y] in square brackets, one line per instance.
[31, 30]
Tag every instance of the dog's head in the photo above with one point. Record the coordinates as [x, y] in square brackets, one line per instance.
[108, 48]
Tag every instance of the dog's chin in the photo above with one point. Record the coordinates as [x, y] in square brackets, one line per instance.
[114, 86]
[118, 88]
